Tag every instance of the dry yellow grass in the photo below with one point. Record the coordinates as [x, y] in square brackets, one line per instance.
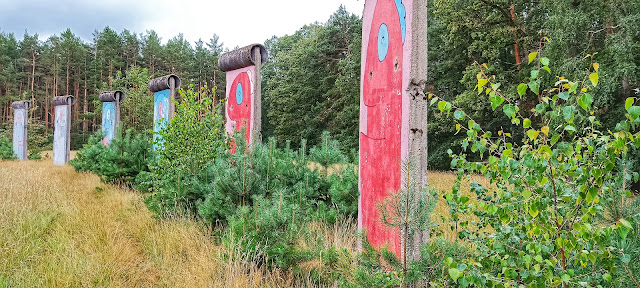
[49, 154]
[59, 228]
[443, 182]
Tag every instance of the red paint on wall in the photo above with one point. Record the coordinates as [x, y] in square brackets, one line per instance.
[380, 146]
[239, 105]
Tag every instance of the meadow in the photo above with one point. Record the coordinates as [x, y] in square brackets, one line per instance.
[59, 228]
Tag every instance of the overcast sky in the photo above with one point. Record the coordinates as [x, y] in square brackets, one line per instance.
[238, 23]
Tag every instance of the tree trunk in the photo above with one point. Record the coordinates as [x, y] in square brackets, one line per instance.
[68, 64]
[85, 105]
[33, 80]
[46, 109]
[516, 46]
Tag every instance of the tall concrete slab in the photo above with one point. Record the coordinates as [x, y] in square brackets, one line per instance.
[393, 113]
[20, 147]
[62, 128]
[164, 92]
[243, 105]
[110, 114]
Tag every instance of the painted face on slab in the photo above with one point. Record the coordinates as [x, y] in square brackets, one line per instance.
[20, 119]
[239, 103]
[61, 118]
[381, 144]
[108, 121]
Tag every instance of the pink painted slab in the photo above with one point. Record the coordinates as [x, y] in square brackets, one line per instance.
[384, 112]
[239, 107]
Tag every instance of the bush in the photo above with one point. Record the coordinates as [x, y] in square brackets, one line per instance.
[267, 196]
[119, 163]
[194, 137]
[6, 149]
[542, 222]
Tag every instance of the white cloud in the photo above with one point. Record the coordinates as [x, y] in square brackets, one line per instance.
[238, 23]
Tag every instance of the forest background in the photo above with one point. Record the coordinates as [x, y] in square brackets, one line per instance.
[311, 81]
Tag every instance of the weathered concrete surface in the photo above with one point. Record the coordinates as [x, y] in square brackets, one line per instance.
[110, 114]
[244, 98]
[111, 96]
[62, 128]
[393, 115]
[164, 89]
[20, 147]
[243, 57]
[164, 83]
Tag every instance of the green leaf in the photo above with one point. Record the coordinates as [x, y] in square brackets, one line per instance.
[455, 274]
[626, 223]
[509, 110]
[546, 68]
[496, 100]
[442, 105]
[630, 101]
[534, 74]
[533, 211]
[533, 134]
[458, 114]
[625, 258]
[532, 57]
[544, 61]
[534, 86]
[564, 96]
[522, 89]
[634, 111]
[585, 101]
[481, 83]
[547, 150]
[607, 277]
[526, 123]
[594, 79]
[568, 112]
[570, 128]
[433, 101]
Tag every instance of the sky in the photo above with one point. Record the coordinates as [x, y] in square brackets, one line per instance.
[238, 23]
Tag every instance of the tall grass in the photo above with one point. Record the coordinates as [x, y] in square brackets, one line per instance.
[59, 228]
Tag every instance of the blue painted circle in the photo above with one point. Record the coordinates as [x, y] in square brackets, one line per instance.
[239, 94]
[383, 42]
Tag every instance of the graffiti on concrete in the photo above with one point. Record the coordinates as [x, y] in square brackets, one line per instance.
[239, 102]
[19, 131]
[242, 108]
[162, 103]
[108, 122]
[163, 89]
[381, 115]
[110, 114]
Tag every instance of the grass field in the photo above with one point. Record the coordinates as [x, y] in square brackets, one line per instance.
[59, 228]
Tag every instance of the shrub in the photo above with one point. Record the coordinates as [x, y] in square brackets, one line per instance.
[6, 149]
[193, 138]
[120, 162]
[264, 197]
[540, 222]
[267, 196]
